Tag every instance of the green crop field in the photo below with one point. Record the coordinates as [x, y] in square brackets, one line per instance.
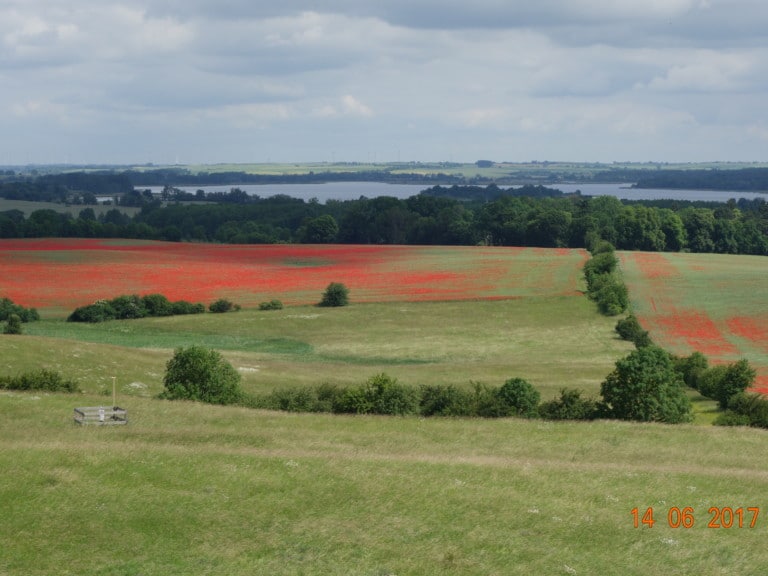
[189, 488]
[714, 303]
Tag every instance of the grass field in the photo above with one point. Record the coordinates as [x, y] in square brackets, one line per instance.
[187, 488]
[193, 489]
[713, 303]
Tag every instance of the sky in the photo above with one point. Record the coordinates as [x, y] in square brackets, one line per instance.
[251, 81]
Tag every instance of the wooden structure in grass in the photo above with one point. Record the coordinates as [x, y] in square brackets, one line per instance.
[101, 415]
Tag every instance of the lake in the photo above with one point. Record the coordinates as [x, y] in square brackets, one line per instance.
[353, 191]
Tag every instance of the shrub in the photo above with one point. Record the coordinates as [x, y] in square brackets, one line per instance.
[444, 400]
[271, 305]
[13, 325]
[302, 399]
[518, 397]
[128, 307]
[182, 307]
[691, 368]
[612, 296]
[722, 382]
[486, 402]
[644, 386]
[604, 286]
[43, 379]
[157, 305]
[570, 406]
[730, 418]
[7, 308]
[379, 395]
[222, 305]
[630, 329]
[99, 311]
[201, 374]
[745, 410]
[336, 294]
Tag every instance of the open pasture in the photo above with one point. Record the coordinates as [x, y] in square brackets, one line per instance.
[714, 303]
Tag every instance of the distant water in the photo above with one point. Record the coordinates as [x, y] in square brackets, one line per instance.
[354, 190]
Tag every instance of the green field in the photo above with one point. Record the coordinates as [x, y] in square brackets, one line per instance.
[714, 303]
[551, 341]
[189, 488]
[193, 489]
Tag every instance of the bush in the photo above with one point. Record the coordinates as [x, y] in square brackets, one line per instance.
[129, 307]
[745, 410]
[99, 311]
[486, 402]
[518, 397]
[8, 308]
[13, 325]
[379, 395]
[444, 400]
[730, 418]
[182, 307]
[336, 294]
[604, 286]
[43, 379]
[691, 368]
[271, 305]
[722, 382]
[644, 386]
[201, 374]
[223, 305]
[630, 329]
[570, 406]
[302, 399]
[157, 305]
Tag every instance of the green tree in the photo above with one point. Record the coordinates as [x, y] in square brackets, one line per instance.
[381, 394]
[644, 386]
[320, 230]
[201, 374]
[336, 294]
[222, 305]
[630, 329]
[722, 382]
[519, 398]
[13, 325]
[691, 368]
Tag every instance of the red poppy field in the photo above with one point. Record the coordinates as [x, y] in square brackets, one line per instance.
[716, 304]
[57, 275]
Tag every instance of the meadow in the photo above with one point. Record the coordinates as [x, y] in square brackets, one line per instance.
[188, 488]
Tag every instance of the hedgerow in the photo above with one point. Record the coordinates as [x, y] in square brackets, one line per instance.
[133, 306]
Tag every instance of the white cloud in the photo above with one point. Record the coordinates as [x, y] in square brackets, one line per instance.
[706, 71]
[354, 107]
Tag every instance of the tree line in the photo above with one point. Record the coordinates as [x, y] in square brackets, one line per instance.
[733, 227]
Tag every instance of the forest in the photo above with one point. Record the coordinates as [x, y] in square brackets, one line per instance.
[455, 215]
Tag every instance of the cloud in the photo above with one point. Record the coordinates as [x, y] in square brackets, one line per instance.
[492, 78]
